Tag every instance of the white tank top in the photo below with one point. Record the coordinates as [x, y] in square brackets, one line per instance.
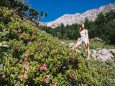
[83, 33]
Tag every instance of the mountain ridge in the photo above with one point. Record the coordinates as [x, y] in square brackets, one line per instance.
[69, 19]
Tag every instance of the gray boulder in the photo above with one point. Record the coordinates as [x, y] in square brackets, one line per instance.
[103, 54]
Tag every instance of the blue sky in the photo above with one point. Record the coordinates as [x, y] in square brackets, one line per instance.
[57, 8]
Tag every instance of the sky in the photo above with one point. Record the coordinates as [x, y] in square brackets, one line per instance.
[57, 8]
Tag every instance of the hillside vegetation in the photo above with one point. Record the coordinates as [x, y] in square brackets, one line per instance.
[103, 27]
[31, 57]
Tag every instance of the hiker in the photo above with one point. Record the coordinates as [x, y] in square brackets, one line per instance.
[84, 39]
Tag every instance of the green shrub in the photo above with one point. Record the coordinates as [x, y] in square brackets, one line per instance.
[35, 58]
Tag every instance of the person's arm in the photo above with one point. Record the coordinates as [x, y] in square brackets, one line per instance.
[87, 35]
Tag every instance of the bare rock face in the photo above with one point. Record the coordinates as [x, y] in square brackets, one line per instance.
[69, 19]
[103, 54]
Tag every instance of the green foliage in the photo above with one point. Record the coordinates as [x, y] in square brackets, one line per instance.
[35, 58]
[64, 32]
[23, 9]
[103, 27]
[94, 43]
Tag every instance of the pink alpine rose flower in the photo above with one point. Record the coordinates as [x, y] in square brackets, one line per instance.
[43, 67]
[23, 75]
[46, 79]
[26, 65]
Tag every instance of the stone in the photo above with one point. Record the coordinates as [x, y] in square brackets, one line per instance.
[112, 51]
[103, 54]
[71, 44]
[98, 53]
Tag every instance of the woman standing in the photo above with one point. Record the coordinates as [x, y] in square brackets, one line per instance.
[84, 39]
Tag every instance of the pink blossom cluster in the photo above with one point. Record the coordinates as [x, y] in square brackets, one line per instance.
[23, 75]
[46, 79]
[26, 65]
[43, 67]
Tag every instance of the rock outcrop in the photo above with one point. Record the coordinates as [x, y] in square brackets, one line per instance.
[69, 19]
[99, 54]
[103, 54]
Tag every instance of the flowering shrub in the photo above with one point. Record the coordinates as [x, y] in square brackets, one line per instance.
[35, 58]
[23, 75]
[46, 79]
[43, 67]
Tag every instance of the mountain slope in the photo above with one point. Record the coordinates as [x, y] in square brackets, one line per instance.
[69, 19]
[31, 57]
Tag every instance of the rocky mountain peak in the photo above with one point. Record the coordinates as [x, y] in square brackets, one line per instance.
[69, 19]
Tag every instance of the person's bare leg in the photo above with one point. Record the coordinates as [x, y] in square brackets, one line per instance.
[87, 50]
[76, 46]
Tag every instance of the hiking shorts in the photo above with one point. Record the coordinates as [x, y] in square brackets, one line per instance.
[82, 40]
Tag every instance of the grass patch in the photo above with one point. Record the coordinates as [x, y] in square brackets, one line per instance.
[94, 44]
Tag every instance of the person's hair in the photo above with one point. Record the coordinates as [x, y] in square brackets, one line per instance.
[82, 27]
